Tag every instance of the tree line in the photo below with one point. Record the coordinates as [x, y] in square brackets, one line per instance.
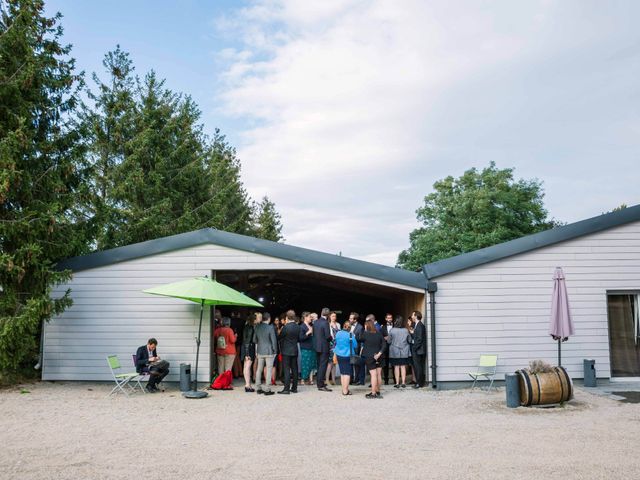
[88, 166]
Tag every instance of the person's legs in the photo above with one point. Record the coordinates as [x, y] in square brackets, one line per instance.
[344, 381]
[260, 366]
[374, 381]
[322, 368]
[269, 362]
[220, 359]
[386, 371]
[362, 371]
[286, 371]
[419, 369]
[247, 372]
[396, 374]
[403, 372]
[293, 366]
[378, 375]
[228, 361]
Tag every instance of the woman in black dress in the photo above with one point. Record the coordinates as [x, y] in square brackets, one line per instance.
[373, 347]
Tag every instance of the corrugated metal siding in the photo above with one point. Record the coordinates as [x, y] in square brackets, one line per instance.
[503, 307]
[111, 315]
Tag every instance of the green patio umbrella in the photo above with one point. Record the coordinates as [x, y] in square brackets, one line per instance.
[204, 291]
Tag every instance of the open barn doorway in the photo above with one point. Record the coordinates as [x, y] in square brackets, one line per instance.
[304, 290]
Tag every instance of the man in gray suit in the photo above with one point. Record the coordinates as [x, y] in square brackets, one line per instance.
[264, 336]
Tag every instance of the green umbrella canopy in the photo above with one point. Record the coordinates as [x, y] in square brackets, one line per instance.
[203, 288]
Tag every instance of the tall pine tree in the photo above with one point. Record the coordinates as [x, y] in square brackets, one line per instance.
[267, 223]
[41, 157]
[109, 125]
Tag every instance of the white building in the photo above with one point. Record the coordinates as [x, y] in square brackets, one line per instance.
[494, 300]
[110, 314]
[498, 300]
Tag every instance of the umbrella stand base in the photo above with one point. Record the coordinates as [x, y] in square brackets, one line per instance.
[194, 394]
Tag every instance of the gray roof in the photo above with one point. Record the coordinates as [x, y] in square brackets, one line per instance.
[248, 244]
[532, 242]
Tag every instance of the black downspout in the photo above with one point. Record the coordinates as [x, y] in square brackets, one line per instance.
[432, 288]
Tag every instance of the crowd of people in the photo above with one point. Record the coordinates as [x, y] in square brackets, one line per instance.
[294, 349]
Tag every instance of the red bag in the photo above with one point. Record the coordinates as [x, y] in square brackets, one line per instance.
[223, 381]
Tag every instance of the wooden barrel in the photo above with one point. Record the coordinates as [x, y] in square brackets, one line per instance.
[544, 388]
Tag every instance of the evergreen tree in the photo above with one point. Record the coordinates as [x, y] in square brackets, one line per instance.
[40, 175]
[109, 126]
[477, 210]
[267, 224]
[230, 207]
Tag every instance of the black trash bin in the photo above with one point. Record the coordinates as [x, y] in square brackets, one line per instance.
[589, 373]
[185, 377]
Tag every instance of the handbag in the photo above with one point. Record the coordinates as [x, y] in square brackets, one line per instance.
[353, 358]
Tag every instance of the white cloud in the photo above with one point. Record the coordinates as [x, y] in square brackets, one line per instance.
[353, 109]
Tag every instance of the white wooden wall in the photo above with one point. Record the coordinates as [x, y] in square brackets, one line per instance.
[111, 315]
[503, 307]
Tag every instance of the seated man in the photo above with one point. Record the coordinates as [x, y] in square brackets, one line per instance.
[147, 360]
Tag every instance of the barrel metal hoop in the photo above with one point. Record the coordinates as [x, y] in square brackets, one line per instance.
[569, 384]
[539, 391]
[555, 370]
[527, 382]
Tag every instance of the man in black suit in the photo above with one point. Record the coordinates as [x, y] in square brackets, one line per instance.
[419, 349]
[357, 330]
[321, 339]
[289, 349]
[147, 360]
[386, 327]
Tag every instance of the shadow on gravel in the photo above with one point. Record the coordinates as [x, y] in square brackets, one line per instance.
[629, 397]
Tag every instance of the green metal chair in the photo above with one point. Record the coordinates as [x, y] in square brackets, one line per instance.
[122, 379]
[486, 370]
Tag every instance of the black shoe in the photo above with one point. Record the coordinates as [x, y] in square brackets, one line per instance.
[284, 392]
[361, 384]
[260, 391]
[416, 386]
[370, 395]
[150, 389]
[369, 386]
[378, 395]
[294, 391]
[325, 389]
[249, 389]
[266, 394]
[397, 385]
[403, 385]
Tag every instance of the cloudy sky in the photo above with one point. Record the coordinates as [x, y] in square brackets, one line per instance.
[346, 112]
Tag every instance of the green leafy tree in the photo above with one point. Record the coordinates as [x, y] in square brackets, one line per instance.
[476, 210]
[41, 182]
[267, 223]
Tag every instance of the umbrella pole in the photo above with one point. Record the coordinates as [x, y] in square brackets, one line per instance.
[559, 352]
[194, 393]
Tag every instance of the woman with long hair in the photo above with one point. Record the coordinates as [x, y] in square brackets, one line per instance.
[399, 340]
[334, 328]
[307, 352]
[373, 347]
[248, 348]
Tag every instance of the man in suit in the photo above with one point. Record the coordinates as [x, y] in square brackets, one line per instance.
[419, 349]
[386, 327]
[289, 349]
[264, 336]
[146, 357]
[321, 340]
[357, 330]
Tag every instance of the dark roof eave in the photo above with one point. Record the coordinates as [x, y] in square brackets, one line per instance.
[531, 242]
[248, 244]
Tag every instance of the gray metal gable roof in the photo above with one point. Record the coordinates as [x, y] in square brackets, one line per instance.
[531, 242]
[248, 244]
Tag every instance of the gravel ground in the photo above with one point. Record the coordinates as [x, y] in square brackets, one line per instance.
[71, 430]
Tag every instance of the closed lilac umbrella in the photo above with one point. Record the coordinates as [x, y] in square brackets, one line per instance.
[560, 326]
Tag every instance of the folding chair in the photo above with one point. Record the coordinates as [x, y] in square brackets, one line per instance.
[144, 376]
[486, 369]
[122, 379]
